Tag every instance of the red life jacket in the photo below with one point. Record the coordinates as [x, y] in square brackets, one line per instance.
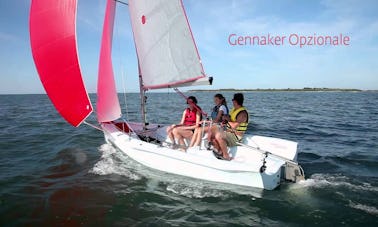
[190, 116]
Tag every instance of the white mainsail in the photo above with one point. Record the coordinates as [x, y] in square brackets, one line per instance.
[166, 50]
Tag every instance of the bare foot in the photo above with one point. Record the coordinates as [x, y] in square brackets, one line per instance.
[182, 149]
[227, 158]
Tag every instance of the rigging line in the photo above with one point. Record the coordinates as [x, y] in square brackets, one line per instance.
[124, 3]
[122, 74]
[124, 93]
[257, 146]
[186, 98]
[169, 95]
[93, 126]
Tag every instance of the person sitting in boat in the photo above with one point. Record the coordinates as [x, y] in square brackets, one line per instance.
[235, 128]
[218, 112]
[190, 120]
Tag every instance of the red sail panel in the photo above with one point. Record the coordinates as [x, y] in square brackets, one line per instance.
[53, 44]
[108, 108]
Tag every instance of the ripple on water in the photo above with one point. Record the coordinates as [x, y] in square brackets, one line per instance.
[55, 174]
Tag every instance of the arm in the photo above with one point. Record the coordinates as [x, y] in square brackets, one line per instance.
[181, 122]
[183, 117]
[227, 117]
[198, 118]
[242, 117]
[218, 118]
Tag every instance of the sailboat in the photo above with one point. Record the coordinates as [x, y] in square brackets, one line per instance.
[167, 58]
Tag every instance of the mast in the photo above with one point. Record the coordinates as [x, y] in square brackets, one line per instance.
[166, 52]
[143, 99]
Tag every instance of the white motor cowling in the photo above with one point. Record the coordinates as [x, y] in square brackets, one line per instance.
[293, 172]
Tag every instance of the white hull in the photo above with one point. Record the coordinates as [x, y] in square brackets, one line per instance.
[243, 170]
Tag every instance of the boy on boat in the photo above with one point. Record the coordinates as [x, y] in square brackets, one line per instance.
[235, 128]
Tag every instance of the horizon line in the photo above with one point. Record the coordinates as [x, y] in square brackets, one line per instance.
[229, 89]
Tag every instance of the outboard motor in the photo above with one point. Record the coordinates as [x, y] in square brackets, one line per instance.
[293, 172]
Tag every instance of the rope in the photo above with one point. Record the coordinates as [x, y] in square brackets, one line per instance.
[124, 3]
[124, 93]
[93, 126]
[186, 98]
[123, 76]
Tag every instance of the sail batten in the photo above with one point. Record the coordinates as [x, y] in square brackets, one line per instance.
[166, 50]
[54, 50]
[108, 107]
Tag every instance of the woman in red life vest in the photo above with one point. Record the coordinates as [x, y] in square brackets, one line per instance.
[190, 120]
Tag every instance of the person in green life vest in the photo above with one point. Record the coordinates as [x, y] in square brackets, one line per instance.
[234, 129]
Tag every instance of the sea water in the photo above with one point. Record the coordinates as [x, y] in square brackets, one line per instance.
[54, 174]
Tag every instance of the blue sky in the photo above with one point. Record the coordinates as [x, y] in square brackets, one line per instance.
[212, 21]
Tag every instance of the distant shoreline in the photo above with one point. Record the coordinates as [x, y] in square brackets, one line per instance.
[239, 90]
[280, 90]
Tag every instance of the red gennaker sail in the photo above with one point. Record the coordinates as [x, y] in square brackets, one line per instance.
[54, 49]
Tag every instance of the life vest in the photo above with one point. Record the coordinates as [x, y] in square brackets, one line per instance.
[234, 114]
[190, 116]
[215, 111]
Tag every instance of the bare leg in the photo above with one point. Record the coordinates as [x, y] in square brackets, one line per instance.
[176, 135]
[182, 134]
[222, 144]
[197, 140]
[196, 134]
[215, 144]
[170, 134]
[212, 132]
